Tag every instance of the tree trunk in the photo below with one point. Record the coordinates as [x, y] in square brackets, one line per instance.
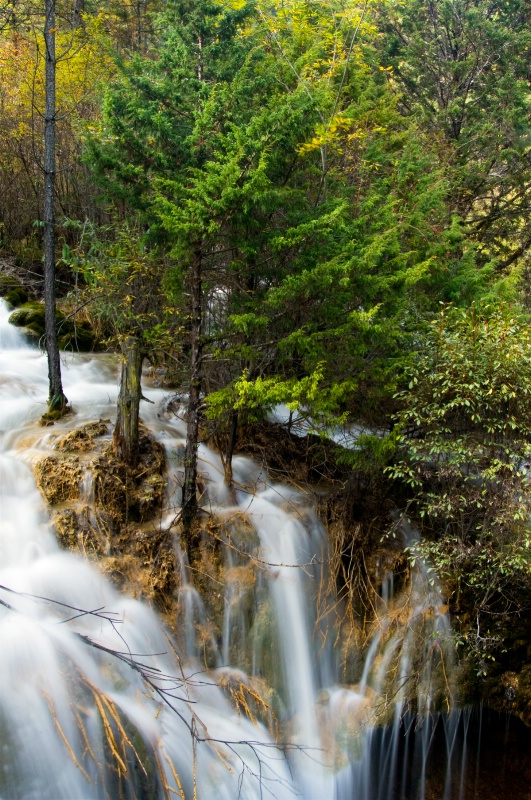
[231, 444]
[189, 497]
[125, 437]
[77, 11]
[57, 400]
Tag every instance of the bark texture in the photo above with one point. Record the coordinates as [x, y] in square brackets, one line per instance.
[77, 13]
[231, 445]
[57, 400]
[189, 497]
[125, 437]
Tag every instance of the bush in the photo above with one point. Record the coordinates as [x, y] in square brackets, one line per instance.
[464, 448]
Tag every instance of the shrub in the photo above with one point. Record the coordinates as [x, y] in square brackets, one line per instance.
[464, 448]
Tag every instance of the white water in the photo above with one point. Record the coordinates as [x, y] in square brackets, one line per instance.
[78, 722]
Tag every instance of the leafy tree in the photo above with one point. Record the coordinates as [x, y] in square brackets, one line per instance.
[81, 62]
[462, 69]
[346, 308]
[464, 445]
[307, 221]
[198, 138]
[121, 282]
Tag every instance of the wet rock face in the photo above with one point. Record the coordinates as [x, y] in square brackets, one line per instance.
[78, 530]
[82, 439]
[59, 478]
[106, 511]
[130, 495]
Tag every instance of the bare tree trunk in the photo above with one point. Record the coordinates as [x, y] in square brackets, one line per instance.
[125, 437]
[77, 11]
[189, 497]
[57, 401]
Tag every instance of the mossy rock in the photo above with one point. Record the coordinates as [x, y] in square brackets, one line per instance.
[54, 414]
[78, 337]
[59, 479]
[81, 440]
[31, 316]
[16, 296]
[75, 531]
[12, 290]
[72, 335]
[143, 561]
[131, 495]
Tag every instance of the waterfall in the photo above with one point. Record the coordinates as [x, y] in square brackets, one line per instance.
[97, 700]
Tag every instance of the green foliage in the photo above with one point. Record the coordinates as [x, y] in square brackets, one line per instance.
[355, 280]
[120, 285]
[462, 69]
[464, 449]
[268, 141]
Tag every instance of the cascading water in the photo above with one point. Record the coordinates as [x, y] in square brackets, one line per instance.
[77, 717]
[96, 701]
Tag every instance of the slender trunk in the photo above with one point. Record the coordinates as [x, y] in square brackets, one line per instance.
[140, 19]
[77, 12]
[125, 437]
[189, 499]
[231, 444]
[200, 58]
[57, 400]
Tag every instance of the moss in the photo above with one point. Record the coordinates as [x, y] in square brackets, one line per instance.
[115, 529]
[16, 296]
[59, 479]
[72, 335]
[131, 495]
[30, 316]
[143, 562]
[76, 531]
[53, 415]
[12, 290]
[81, 440]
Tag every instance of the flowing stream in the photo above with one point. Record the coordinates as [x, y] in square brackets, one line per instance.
[96, 701]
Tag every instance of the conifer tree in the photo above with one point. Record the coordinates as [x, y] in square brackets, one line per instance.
[306, 221]
[198, 137]
[462, 67]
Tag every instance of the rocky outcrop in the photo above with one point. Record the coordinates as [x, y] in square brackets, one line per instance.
[108, 512]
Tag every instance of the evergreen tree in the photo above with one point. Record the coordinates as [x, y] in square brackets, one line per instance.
[462, 67]
[307, 221]
[359, 278]
[199, 139]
